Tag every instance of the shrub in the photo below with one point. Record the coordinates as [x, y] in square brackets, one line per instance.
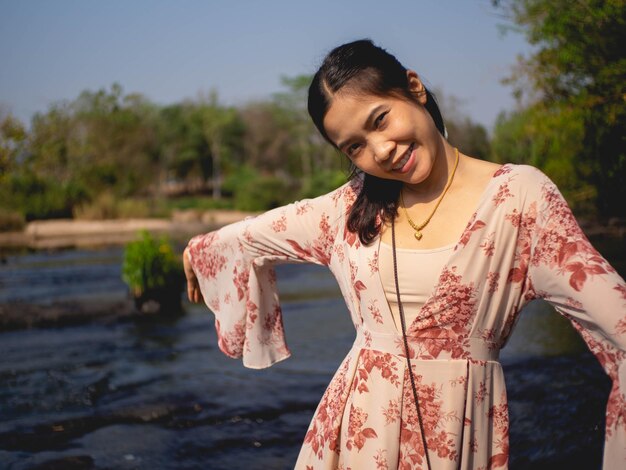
[152, 271]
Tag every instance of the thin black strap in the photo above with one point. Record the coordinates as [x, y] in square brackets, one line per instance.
[406, 342]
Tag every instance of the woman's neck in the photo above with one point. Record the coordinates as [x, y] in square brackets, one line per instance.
[435, 183]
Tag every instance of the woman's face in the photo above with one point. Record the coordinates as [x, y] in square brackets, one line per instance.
[388, 137]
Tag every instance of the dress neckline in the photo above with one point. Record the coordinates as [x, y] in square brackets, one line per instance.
[455, 246]
[419, 251]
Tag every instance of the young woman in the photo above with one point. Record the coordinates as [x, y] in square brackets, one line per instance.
[435, 253]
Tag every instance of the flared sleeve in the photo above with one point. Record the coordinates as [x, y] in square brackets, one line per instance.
[234, 267]
[565, 270]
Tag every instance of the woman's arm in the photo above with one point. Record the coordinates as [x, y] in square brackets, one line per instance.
[232, 270]
[567, 271]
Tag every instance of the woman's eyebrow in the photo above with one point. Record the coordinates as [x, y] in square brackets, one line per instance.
[368, 123]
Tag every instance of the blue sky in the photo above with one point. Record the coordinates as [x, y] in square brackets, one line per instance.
[172, 50]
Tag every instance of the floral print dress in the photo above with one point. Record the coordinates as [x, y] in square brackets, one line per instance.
[522, 243]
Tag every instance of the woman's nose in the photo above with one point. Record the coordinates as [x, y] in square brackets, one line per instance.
[382, 150]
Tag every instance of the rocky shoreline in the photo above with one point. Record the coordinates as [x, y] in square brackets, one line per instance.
[62, 234]
[23, 315]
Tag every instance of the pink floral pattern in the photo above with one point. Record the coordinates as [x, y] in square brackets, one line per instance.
[502, 194]
[210, 258]
[384, 363]
[373, 264]
[280, 225]
[521, 243]
[375, 311]
[357, 432]
[324, 430]
[439, 441]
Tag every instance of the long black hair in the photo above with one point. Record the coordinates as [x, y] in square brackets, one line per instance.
[370, 69]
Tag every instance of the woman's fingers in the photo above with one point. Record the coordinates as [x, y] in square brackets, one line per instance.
[190, 291]
[197, 295]
[193, 288]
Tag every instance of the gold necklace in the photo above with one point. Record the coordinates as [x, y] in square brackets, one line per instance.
[419, 227]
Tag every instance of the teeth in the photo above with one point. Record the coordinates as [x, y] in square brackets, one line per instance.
[402, 162]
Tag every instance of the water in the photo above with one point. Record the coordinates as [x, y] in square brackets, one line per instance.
[157, 393]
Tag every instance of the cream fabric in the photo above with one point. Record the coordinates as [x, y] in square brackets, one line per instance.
[418, 272]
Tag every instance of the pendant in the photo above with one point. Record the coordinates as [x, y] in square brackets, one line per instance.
[418, 235]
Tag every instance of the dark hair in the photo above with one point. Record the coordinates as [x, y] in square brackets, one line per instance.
[368, 69]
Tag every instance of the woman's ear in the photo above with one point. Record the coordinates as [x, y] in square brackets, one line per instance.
[416, 87]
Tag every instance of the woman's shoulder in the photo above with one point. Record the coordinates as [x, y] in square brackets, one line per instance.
[336, 199]
[522, 171]
[514, 179]
[484, 169]
[525, 177]
[525, 183]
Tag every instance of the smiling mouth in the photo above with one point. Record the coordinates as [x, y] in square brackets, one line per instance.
[400, 165]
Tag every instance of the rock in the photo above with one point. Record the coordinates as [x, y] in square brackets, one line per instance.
[71, 462]
[21, 315]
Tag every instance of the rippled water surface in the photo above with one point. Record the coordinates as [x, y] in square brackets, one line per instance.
[157, 393]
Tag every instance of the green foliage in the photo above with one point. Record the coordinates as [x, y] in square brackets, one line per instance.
[577, 69]
[150, 264]
[39, 197]
[470, 137]
[108, 206]
[240, 178]
[262, 193]
[548, 136]
[12, 139]
[253, 191]
[102, 208]
[322, 182]
[197, 202]
[106, 152]
[11, 221]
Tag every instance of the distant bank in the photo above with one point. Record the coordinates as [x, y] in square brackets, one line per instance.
[71, 233]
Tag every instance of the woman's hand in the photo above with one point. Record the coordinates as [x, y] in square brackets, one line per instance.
[193, 288]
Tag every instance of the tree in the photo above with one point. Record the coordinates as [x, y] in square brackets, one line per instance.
[101, 144]
[113, 141]
[266, 139]
[184, 150]
[463, 133]
[12, 140]
[310, 158]
[221, 128]
[546, 137]
[578, 66]
[295, 118]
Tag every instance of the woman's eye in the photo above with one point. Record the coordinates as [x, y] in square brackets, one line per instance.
[380, 120]
[352, 149]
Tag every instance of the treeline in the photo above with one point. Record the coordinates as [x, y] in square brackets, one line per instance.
[571, 120]
[110, 154]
